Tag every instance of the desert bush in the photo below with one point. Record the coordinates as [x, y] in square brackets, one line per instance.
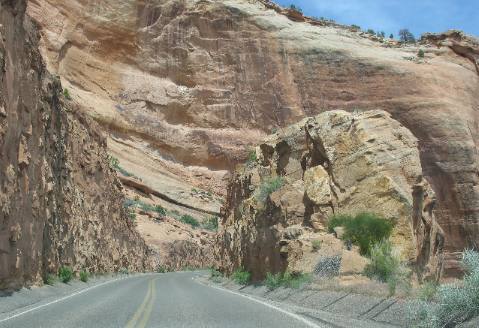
[66, 94]
[420, 53]
[84, 275]
[160, 210]
[316, 245]
[338, 221]
[215, 275]
[241, 276]
[50, 279]
[65, 274]
[364, 230]
[211, 223]
[356, 27]
[371, 31]
[161, 269]
[267, 187]
[188, 219]
[252, 157]
[287, 279]
[386, 266]
[455, 303]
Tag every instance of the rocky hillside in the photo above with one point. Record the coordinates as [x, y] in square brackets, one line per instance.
[60, 202]
[334, 163]
[186, 87]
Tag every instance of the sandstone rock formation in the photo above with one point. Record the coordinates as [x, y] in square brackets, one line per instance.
[60, 202]
[188, 86]
[334, 163]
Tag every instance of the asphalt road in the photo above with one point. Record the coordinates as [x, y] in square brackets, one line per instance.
[157, 300]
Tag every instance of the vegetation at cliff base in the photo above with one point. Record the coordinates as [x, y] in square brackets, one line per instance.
[287, 279]
[65, 274]
[84, 275]
[241, 276]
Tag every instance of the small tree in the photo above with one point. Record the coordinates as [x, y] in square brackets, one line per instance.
[420, 53]
[406, 36]
[296, 8]
[391, 36]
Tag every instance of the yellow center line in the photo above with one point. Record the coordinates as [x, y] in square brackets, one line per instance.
[149, 308]
[138, 313]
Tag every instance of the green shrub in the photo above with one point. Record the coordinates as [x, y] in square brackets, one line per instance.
[371, 31]
[211, 223]
[161, 269]
[356, 27]
[384, 264]
[215, 275]
[268, 186]
[188, 219]
[66, 94]
[65, 274]
[364, 229]
[287, 279]
[84, 275]
[273, 281]
[123, 270]
[456, 303]
[251, 157]
[339, 220]
[420, 53]
[50, 279]
[160, 210]
[241, 276]
[316, 245]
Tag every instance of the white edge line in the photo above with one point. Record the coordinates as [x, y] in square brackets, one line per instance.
[63, 298]
[291, 314]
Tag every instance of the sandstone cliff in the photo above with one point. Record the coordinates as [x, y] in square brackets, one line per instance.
[188, 86]
[334, 163]
[60, 202]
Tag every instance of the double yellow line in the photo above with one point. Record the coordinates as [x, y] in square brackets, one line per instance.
[142, 315]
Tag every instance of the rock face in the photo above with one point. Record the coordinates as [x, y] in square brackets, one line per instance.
[60, 202]
[334, 163]
[190, 85]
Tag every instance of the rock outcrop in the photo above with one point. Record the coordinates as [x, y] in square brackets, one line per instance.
[334, 163]
[60, 202]
[189, 86]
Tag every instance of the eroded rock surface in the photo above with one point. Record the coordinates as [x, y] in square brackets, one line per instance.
[334, 163]
[60, 202]
[188, 86]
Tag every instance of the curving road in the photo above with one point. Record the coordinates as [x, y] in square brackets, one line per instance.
[157, 300]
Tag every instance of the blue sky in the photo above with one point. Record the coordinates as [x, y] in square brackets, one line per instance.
[391, 15]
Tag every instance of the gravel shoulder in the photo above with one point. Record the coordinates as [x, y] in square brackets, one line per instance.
[332, 308]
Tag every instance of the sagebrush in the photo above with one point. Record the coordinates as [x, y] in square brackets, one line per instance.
[454, 303]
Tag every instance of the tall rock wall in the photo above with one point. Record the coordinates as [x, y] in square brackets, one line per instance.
[196, 83]
[60, 202]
